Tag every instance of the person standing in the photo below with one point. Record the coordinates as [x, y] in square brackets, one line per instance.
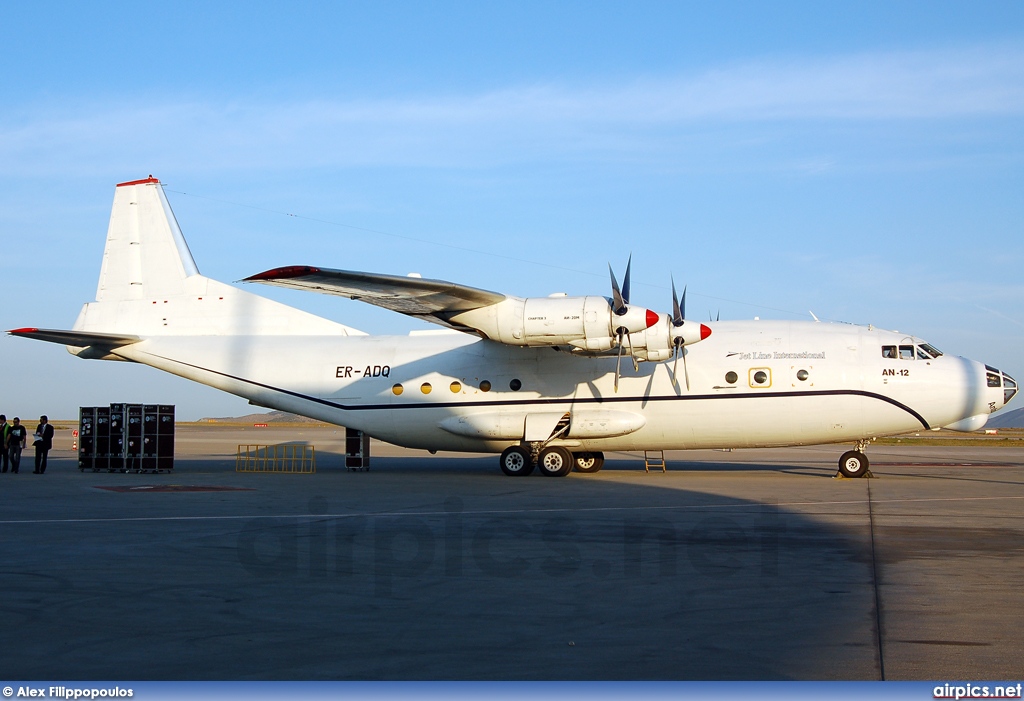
[5, 457]
[43, 441]
[16, 439]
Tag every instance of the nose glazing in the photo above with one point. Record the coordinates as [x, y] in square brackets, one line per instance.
[1009, 388]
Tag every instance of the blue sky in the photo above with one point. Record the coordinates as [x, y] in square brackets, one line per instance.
[863, 162]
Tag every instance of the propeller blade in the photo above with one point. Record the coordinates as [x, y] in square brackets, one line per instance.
[618, 361]
[625, 280]
[675, 365]
[677, 313]
[686, 374]
[619, 302]
[636, 366]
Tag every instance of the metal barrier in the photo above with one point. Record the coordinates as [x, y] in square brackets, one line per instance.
[283, 457]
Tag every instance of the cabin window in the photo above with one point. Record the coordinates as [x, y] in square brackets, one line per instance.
[515, 385]
[398, 389]
[889, 352]
[456, 387]
[485, 386]
[802, 375]
[731, 377]
[906, 352]
[425, 388]
[760, 377]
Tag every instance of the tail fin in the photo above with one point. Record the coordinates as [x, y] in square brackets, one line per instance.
[146, 255]
[150, 286]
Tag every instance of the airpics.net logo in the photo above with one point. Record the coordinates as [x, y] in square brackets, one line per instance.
[977, 691]
[394, 548]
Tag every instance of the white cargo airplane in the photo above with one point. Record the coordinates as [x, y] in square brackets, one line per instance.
[492, 381]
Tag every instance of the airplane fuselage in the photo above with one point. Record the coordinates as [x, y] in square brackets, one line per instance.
[427, 390]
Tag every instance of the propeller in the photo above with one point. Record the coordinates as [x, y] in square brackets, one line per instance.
[678, 319]
[620, 306]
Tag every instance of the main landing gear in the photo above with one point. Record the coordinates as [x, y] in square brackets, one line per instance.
[854, 463]
[553, 461]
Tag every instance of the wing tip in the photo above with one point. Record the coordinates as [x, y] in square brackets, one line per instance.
[288, 271]
[24, 332]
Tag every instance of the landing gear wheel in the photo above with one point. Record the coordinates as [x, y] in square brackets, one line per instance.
[515, 461]
[555, 462]
[588, 462]
[853, 464]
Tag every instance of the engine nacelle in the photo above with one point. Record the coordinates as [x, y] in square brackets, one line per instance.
[584, 322]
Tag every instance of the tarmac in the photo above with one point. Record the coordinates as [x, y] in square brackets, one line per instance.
[753, 564]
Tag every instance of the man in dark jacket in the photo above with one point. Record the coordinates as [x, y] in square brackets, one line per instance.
[15, 443]
[43, 442]
[5, 457]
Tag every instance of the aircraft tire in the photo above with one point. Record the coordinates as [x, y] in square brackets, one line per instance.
[555, 462]
[516, 462]
[853, 464]
[588, 463]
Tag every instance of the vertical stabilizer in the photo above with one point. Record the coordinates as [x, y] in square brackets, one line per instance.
[150, 285]
[146, 255]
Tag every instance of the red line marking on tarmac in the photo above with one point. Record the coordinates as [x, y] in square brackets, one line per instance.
[176, 488]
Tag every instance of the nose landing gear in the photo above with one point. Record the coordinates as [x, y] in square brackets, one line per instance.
[854, 463]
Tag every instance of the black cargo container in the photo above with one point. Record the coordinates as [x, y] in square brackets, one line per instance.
[126, 437]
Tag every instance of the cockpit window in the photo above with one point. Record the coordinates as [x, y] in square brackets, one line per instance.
[1009, 388]
[994, 379]
[923, 351]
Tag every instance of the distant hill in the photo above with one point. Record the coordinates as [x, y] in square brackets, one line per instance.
[1008, 419]
[273, 417]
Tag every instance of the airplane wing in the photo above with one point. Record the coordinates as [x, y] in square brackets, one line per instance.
[431, 300]
[79, 339]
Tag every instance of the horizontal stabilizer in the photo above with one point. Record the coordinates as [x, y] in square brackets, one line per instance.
[435, 299]
[80, 339]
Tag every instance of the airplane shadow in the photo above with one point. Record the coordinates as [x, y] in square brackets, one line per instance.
[428, 568]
